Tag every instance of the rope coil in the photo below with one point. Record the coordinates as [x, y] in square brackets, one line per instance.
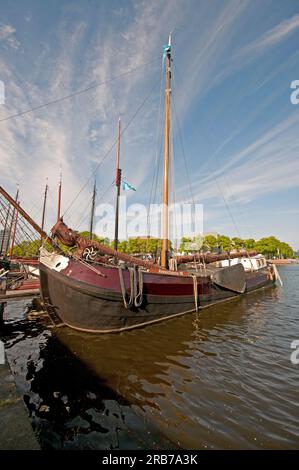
[138, 293]
[136, 287]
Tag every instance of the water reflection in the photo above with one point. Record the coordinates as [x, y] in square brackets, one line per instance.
[217, 379]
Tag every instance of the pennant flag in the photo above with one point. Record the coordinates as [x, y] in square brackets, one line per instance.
[165, 50]
[127, 186]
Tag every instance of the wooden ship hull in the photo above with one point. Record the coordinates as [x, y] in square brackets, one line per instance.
[94, 300]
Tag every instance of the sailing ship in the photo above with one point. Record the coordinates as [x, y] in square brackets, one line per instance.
[98, 289]
[18, 275]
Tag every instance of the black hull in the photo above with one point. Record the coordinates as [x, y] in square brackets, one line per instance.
[89, 308]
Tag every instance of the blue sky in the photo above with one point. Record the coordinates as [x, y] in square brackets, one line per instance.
[233, 63]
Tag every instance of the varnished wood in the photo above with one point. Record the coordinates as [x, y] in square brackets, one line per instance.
[117, 183]
[165, 221]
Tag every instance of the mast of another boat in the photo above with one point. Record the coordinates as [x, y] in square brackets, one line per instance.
[2, 249]
[26, 216]
[12, 228]
[93, 201]
[14, 231]
[165, 215]
[5, 243]
[117, 184]
[44, 206]
[59, 195]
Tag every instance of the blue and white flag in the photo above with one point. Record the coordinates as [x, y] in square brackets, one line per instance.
[166, 49]
[127, 186]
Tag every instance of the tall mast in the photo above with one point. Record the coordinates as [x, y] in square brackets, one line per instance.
[44, 206]
[12, 224]
[2, 252]
[59, 195]
[24, 214]
[117, 183]
[165, 222]
[92, 209]
[14, 232]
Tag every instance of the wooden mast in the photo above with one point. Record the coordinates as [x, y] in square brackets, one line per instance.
[44, 206]
[11, 229]
[117, 183]
[2, 250]
[165, 221]
[92, 209]
[14, 234]
[24, 214]
[59, 195]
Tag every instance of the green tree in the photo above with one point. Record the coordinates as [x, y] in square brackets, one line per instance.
[134, 246]
[145, 245]
[272, 247]
[104, 240]
[237, 243]
[153, 245]
[29, 249]
[210, 242]
[184, 242]
[123, 246]
[249, 244]
[286, 250]
[224, 242]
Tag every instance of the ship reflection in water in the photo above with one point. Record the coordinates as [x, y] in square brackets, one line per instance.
[221, 378]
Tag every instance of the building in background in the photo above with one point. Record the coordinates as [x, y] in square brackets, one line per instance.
[4, 236]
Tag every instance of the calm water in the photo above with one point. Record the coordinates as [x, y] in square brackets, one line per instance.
[219, 379]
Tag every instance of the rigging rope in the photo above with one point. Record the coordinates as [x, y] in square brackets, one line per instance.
[180, 137]
[76, 93]
[213, 155]
[112, 147]
[156, 151]
[172, 177]
[82, 216]
[25, 228]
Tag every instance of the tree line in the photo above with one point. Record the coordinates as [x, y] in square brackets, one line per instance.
[268, 246]
[30, 249]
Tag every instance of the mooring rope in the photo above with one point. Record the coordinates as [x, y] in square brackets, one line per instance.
[195, 291]
[138, 294]
[136, 287]
[276, 274]
[129, 303]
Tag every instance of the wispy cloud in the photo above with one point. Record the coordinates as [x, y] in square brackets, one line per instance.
[82, 47]
[213, 44]
[267, 165]
[8, 37]
[272, 37]
[77, 133]
[244, 55]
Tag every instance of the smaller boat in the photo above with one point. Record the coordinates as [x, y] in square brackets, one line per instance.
[19, 276]
[18, 279]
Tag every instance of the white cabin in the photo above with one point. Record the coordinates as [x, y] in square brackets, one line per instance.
[250, 264]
